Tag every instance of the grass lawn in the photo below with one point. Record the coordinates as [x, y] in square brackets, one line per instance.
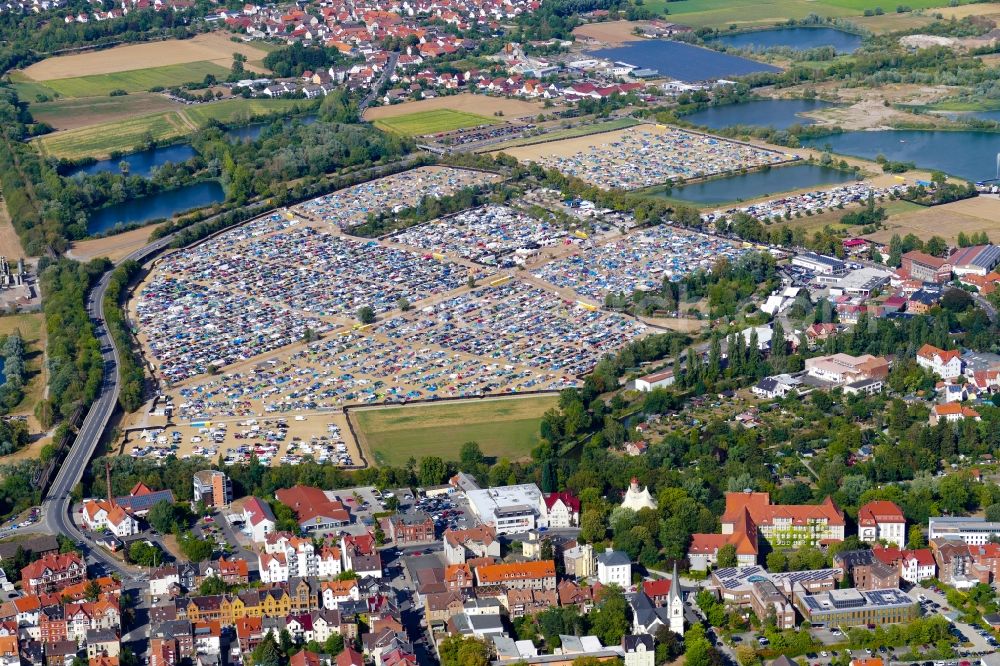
[742, 13]
[504, 428]
[124, 135]
[568, 133]
[32, 331]
[135, 80]
[432, 122]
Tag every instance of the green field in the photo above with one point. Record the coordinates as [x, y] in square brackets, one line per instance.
[432, 122]
[742, 13]
[124, 135]
[504, 428]
[136, 80]
[28, 90]
[568, 133]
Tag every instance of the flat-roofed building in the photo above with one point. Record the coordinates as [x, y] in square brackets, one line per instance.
[856, 608]
[509, 509]
[967, 529]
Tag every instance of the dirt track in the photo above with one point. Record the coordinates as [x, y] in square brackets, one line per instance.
[213, 47]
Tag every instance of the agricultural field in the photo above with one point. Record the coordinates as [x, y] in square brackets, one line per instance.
[124, 135]
[948, 220]
[135, 80]
[432, 122]
[63, 114]
[743, 13]
[464, 102]
[214, 47]
[503, 427]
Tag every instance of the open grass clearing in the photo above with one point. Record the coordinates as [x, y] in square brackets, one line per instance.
[32, 328]
[214, 47]
[136, 80]
[124, 135]
[503, 428]
[465, 102]
[432, 122]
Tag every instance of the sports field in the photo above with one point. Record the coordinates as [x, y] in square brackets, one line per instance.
[432, 122]
[135, 80]
[723, 13]
[123, 135]
[503, 427]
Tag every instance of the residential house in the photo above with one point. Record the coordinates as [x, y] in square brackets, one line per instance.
[882, 521]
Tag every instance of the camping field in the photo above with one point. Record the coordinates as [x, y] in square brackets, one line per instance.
[432, 122]
[503, 428]
[124, 135]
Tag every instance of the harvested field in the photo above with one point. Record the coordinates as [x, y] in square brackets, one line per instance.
[114, 247]
[136, 80]
[10, 244]
[608, 32]
[432, 122]
[893, 22]
[211, 47]
[503, 428]
[124, 135]
[745, 13]
[65, 114]
[567, 133]
[466, 103]
[970, 215]
[989, 9]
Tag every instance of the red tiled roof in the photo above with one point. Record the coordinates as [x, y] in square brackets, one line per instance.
[880, 511]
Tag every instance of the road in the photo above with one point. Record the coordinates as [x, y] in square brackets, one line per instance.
[390, 67]
[58, 503]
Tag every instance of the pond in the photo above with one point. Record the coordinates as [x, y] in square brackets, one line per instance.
[683, 61]
[966, 154]
[156, 206]
[141, 163]
[776, 113]
[252, 131]
[798, 39]
[756, 184]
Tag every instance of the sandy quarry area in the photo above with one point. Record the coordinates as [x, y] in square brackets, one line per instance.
[866, 109]
[969, 215]
[467, 102]
[212, 47]
[115, 247]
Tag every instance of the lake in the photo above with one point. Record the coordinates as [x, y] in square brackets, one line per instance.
[683, 61]
[776, 113]
[141, 163]
[799, 39]
[156, 206]
[757, 184]
[966, 154]
[252, 131]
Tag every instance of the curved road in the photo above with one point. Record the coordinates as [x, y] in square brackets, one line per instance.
[58, 502]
